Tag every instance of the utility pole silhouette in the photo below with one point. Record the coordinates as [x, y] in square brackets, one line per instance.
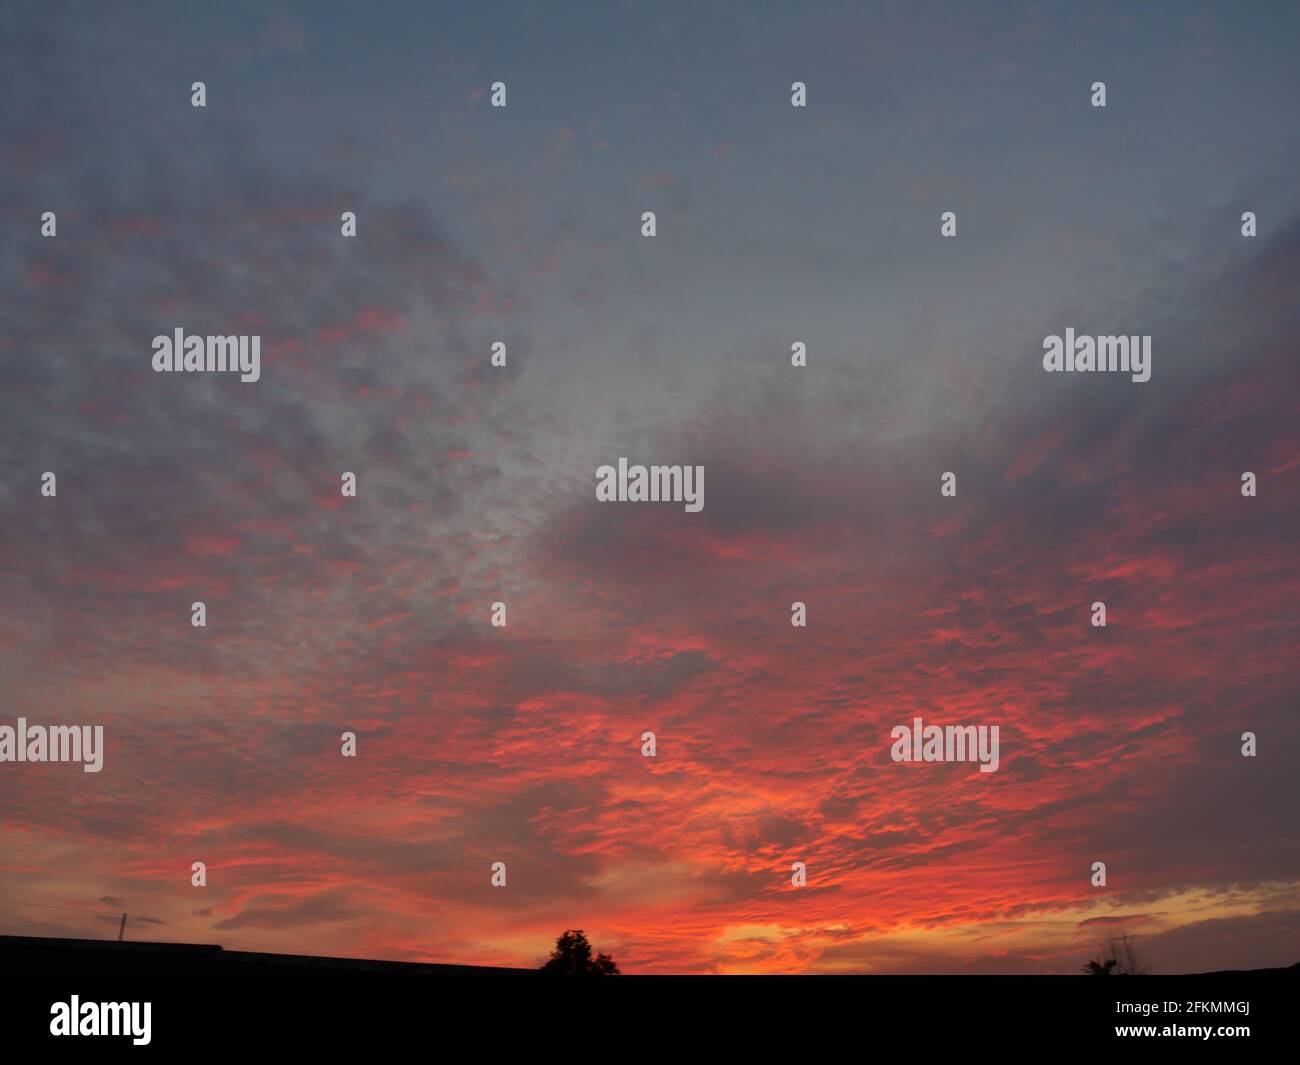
[121, 930]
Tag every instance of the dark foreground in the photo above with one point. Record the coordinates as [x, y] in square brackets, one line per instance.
[204, 997]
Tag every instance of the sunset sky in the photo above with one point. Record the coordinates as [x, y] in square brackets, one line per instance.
[476, 484]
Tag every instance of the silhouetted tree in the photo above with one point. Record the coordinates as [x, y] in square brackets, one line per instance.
[1118, 957]
[572, 957]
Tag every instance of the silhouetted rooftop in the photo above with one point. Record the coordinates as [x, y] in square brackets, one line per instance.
[97, 951]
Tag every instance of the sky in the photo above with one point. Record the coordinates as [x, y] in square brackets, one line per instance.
[522, 225]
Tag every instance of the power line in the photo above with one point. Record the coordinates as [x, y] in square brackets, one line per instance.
[47, 906]
[202, 931]
[109, 913]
